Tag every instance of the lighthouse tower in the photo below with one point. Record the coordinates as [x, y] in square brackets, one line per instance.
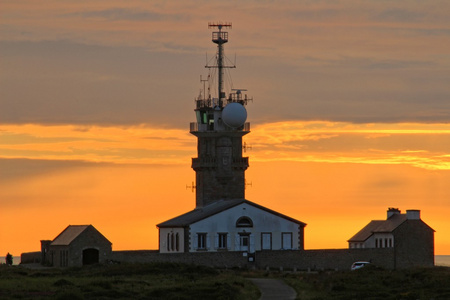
[219, 128]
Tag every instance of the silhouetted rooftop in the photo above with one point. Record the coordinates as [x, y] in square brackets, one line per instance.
[379, 226]
[214, 208]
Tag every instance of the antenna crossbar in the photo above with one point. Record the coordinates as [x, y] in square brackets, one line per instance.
[219, 24]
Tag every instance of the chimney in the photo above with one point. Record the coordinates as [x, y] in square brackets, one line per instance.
[392, 211]
[413, 214]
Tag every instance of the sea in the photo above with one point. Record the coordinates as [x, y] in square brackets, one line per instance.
[442, 260]
[439, 260]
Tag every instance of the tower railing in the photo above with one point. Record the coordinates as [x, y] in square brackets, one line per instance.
[196, 127]
[203, 163]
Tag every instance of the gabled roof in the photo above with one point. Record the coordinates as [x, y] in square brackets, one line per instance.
[68, 235]
[379, 226]
[199, 214]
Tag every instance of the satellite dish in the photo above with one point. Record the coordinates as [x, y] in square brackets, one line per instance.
[234, 115]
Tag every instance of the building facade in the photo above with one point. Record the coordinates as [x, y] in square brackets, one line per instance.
[411, 239]
[77, 245]
[231, 225]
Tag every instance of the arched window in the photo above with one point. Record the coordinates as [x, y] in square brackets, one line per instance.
[244, 222]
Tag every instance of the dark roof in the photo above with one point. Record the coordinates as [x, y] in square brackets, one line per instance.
[198, 214]
[379, 226]
[69, 234]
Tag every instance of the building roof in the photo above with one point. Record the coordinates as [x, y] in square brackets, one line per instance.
[379, 226]
[69, 234]
[199, 214]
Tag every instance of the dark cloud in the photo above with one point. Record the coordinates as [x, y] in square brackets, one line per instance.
[400, 15]
[58, 82]
[20, 169]
[118, 13]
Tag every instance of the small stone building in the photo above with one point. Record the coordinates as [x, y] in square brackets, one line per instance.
[411, 239]
[77, 245]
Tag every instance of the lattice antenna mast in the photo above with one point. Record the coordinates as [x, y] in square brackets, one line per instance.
[220, 37]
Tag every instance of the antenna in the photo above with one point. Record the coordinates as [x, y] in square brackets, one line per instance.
[248, 184]
[238, 97]
[246, 147]
[204, 86]
[220, 37]
[192, 186]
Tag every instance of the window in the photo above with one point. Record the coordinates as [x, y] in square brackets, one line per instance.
[266, 241]
[286, 240]
[63, 258]
[244, 222]
[201, 241]
[173, 241]
[168, 242]
[222, 242]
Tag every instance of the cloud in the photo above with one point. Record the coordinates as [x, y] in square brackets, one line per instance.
[123, 145]
[400, 15]
[419, 145]
[422, 146]
[139, 63]
[120, 13]
[64, 83]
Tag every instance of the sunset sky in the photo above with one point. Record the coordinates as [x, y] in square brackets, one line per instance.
[351, 113]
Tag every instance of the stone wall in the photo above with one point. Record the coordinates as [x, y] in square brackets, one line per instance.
[30, 257]
[336, 259]
[300, 260]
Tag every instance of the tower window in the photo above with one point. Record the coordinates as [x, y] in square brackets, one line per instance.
[244, 222]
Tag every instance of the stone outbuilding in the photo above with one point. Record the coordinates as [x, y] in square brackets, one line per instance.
[411, 239]
[77, 245]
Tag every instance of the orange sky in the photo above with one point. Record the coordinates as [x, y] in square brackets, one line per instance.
[335, 177]
[351, 113]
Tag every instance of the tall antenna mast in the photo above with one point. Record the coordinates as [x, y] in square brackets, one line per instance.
[220, 37]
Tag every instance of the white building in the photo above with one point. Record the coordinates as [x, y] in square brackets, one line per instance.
[231, 225]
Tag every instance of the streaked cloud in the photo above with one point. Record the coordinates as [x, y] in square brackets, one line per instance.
[420, 145]
[97, 144]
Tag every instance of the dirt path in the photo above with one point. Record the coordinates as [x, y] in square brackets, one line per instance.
[274, 289]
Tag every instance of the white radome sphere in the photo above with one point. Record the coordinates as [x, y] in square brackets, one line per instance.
[234, 115]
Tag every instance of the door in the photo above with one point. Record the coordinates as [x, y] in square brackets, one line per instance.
[244, 242]
[90, 256]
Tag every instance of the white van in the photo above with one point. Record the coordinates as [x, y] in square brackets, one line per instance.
[359, 264]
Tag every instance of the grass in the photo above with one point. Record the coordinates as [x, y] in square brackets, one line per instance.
[125, 281]
[180, 281]
[373, 283]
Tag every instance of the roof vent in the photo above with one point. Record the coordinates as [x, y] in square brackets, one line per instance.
[392, 211]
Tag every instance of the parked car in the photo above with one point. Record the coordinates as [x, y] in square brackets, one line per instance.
[359, 264]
